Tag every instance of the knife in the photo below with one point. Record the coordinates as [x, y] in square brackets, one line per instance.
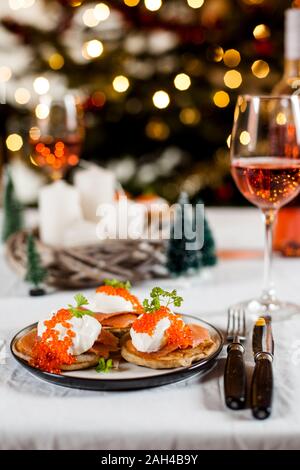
[262, 380]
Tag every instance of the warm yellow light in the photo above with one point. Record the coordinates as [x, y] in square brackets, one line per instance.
[101, 11]
[56, 61]
[28, 3]
[34, 133]
[245, 138]
[161, 99]
[121, 83]
[232, 58]
[14, 142]
[42, 111]
[92, 49]
[195, 3]
[131, 3]
[89, 18]
[221, 99]
[15, 4]
[281, 119]
[253, 2]
[41, 85]
[260, 69]
[157, 129]
[5, 73]
[75, 3]
[190, 116]
[261, 31]
[153, 5]
[182, 81]
[22, 95]
[218, 54]
[228, 141]
[233, 79]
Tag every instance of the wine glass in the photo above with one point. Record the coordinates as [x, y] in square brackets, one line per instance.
[56, 134]
[265, 164]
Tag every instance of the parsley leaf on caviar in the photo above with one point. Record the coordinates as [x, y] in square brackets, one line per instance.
[157, 296]
[104, 366]
[116, 283]
[78, 311]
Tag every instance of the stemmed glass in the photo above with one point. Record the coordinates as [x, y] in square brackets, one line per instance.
[265, 164]
[56, 134]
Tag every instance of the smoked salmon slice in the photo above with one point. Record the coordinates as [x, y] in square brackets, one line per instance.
[116, 320]
[199, 334]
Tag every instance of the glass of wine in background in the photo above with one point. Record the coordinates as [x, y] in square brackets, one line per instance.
[56, 134]
[265, 164]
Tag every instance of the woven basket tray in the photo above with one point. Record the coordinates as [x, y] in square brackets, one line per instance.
[87, 266]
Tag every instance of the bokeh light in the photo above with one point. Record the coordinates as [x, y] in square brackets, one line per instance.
[14, 142]
[41, 85]
[195, 3]
[89, 18]
[157, 129]
[22, 95]
[92, 49]
[245, 138]
[131, 3]
[218, 54]
[190, 116]
[42, 111]
[232, 58]
[260, 69]
[34, 133]
[101, 11]
[281, 119]
[228, 141]
[221, 99]
[121, 84]
[153, 5]
[233, 79]
[182, 81]
[56, 61]
[261, 31]
[161, 99]
[5, 73]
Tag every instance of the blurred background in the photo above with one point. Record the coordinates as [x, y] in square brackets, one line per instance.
[154, 83]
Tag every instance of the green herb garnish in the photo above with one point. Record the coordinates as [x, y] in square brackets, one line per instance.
[116, 283]
[157, 296]
[104, 366]
[78, 311]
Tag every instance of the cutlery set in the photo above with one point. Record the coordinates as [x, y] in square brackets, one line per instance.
[235, 381]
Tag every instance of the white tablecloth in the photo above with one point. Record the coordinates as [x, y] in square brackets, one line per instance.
[188, 415]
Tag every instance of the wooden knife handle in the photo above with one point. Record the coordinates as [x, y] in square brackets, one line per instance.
[262, 386]
[235, 382]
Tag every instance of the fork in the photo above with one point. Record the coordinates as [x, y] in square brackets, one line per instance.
[235, 382]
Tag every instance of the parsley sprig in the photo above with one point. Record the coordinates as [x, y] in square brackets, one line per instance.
[78, 311]
[116, 283]
[104, 366]
[159, 295]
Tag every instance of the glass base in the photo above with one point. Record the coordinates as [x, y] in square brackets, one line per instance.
[278, 310]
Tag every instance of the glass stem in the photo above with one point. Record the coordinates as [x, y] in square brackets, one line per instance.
[268, 294]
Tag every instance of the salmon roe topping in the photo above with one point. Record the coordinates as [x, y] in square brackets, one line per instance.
[50, 352]
[122, 292]
[178, 333]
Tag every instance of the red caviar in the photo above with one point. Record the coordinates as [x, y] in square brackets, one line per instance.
[178, 333]
[122, 292]
[50, 352]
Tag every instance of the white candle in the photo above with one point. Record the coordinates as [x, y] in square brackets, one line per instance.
[96, 186]
[59, 208]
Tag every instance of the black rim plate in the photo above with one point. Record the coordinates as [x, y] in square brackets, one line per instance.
[136, 379]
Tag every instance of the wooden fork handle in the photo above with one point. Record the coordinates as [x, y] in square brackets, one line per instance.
[235, 382]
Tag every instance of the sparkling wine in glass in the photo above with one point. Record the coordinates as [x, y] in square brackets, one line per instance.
[266, 174]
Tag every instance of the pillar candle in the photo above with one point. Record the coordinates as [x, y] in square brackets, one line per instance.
[59, 208]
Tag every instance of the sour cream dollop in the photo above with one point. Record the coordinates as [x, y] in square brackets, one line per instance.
[105, 303]
[144, 342]
[86, 329]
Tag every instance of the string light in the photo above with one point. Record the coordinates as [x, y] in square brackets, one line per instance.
[89, 18]
[42, 111]
[190, 116]
[121, 83]
[101, 11]
[5, 73]
[233, 79]
[92, 49]
[153, 5]
[245, 138]
[157, 129]
[260, 69]
[232, 58]
[195, 3]
[14, 142]
[221, 99]
[182, 81]
[56, 61]
[41, 85]
[131, 3]
[22, 95]
[261, 31]
[161, 99]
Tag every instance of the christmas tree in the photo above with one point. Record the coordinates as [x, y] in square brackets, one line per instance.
[13, 214]
[35, 272]
[181, 257]
[161, 75]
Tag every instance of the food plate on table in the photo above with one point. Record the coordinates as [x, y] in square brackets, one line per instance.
[96, 345]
